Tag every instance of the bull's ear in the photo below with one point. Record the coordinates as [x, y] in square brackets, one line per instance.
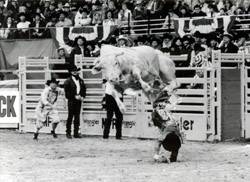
[97, 67]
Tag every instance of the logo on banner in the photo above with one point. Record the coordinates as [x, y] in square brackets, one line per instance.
[126, 124]
[186, 124]
[91, 123]
[9, 106]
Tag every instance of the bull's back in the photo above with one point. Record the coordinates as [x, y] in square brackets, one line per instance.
[147, 56]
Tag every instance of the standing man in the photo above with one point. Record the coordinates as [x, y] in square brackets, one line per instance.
[112, 107]
[75, 92]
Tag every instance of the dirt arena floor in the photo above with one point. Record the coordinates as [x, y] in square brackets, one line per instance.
[92, 159]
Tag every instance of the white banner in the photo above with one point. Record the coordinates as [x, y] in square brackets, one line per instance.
[9, 108]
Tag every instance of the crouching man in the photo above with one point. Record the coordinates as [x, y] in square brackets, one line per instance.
[45, 109]
[169, 135]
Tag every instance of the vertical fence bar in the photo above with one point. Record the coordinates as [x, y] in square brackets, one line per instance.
[22, 92]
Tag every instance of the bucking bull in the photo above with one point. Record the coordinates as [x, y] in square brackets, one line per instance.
[152, 71]
[125, 67]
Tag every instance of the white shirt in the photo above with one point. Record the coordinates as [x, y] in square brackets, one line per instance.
[77, 85]
[23, 24]
[109, 89]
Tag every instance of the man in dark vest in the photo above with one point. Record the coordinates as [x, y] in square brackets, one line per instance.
[75, 92]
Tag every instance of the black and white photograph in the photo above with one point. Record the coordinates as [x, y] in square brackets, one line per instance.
[124, 90]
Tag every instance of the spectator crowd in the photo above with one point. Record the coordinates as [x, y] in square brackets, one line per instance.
[34, 18]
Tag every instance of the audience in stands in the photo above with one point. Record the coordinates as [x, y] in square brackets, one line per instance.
[64, 13]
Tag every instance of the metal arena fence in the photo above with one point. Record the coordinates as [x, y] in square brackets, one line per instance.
[201, 113]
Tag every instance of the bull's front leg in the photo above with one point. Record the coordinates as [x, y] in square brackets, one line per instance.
[137, 73]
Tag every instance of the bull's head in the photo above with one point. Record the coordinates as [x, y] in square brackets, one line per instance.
[109, 65]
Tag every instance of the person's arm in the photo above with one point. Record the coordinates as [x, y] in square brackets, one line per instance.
[68, 90]
[44, 97]
[83, 89]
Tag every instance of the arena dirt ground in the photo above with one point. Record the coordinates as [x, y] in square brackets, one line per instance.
[92, 159]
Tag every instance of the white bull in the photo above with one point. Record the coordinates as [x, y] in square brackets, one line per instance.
[151, 68]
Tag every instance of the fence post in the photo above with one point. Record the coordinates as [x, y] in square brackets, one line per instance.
[129, 21]
[148, 15]
[22, 91]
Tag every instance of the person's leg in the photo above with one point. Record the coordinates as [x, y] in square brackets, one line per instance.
[118, 123]
[41, 117]
[77, 113]
[54, 117]
[70, 118]
[110, 113]
[157, 150]
[173, 156]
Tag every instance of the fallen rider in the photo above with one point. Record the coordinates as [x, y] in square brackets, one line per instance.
[168, 129]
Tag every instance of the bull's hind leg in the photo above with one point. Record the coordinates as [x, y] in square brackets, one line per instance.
[137, 74]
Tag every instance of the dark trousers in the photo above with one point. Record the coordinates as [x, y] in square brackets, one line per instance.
[112, 107]
[74, 109]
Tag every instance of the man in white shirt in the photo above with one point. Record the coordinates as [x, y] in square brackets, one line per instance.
[112, 108]
[23, 26]
[63, 20]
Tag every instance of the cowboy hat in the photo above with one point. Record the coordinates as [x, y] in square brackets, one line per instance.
[66, 5]
[53, 80]
[126, 39]
[72, 68]
[230, 36]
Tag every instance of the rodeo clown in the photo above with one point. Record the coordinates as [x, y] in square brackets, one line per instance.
[168, 129]
[46, 107]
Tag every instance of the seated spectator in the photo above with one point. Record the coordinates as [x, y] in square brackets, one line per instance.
[155, 8]
[222, 12]
[166, 43]
[39, 11]
[176, 47]
[23, 27]
[80, 48]
[109, 19]
[50, 11]
[59, 6]
[53, 20]
[183, 12]
[123, 41]
[38, 24]
[212, 43]
[8, 30]
[92, 49]
[124, 13]
[245, 6]
[241, 39]
[140, 41]
[155, 43]
[171, 15]
[97, 18]
[113, 9]
[13, 9]
[212, 11]
[227, 46]
[70, 14]
[188, 41]
[139, 11]
[197, 37]
[63, 21]
[81, 18]
[197, 11]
